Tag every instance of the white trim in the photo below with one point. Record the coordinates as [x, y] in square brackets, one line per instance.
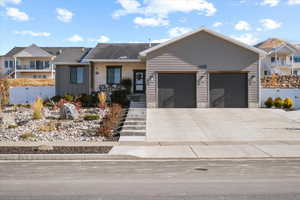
[254, 49]
[112, 60]
[280, 47]
[69, 63]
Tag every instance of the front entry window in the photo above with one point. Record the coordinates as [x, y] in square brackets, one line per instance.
[114, 75]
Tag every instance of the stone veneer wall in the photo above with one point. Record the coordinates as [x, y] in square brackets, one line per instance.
[285, 81]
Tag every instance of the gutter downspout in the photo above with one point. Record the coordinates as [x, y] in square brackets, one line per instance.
[259, 82]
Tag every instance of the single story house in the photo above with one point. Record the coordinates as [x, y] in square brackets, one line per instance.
[199, 69]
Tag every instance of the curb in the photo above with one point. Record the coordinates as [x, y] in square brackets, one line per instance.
[103, 157]
[63, 157]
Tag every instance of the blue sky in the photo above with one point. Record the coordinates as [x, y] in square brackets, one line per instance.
[84, 23]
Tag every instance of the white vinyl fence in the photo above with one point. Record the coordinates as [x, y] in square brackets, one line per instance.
[27, 95]
[294, 94]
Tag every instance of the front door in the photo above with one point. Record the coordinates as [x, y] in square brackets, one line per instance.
[139, 81]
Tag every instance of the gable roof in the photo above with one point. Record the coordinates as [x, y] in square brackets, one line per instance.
[203, 29]
[71, 55]
[61, 54]
[117, 51]
[33, 51]
[275, 43]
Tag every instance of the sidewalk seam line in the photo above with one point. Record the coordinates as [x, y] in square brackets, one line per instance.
[194, 151]
[254, 145]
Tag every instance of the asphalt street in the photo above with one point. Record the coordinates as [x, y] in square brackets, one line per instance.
[151, 180]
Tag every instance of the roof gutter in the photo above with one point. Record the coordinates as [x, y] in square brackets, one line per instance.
[112, 60]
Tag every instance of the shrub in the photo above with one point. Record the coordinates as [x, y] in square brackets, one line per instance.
[288, 103]
[69, 98]
[37, 107]
[120, 97]
[269, 103]
[278, 102]
[127, 84]
[56, 99]
[27, 135]
[88, 100]
[111, 121]
[91, 117]
[12, 126]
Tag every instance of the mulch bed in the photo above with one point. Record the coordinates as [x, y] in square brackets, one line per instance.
[57, 150]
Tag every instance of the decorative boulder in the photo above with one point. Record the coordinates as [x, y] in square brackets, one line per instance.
[69, 112]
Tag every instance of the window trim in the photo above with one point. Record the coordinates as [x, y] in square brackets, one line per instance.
[114, 67]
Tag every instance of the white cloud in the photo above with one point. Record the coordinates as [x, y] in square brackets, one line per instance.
[217, 24]
[177, 31]
[75, 38]
[162, 9]
[16, 14]
[242, 26]
[269, 24]
[4, 2]
[64, 15]
[160, 40]
[151, 21]
[271, 3]
[31, 33]
[101, 39]
[247, 38]
[294, 2]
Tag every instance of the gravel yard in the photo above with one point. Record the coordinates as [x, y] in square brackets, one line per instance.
[17, 124]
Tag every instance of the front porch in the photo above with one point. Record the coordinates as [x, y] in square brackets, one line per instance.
[112, 73]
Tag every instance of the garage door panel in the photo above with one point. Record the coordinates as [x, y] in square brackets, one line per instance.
[177, 90]
[228, 91]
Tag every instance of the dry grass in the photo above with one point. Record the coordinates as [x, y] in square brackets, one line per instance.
[102, 99]
[37, 107]
[30, 82]
[51, 126]
[27, 135]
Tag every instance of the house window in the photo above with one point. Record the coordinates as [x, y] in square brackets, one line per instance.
[76, 75]
[266, 73]
[34, 76]
[297, 59]
[6, 63]
[44, 76]
[114, 75]
[47, 64]
[32, 64]
[273, 59]
[295, 73]
[39, 64]
[11, 64]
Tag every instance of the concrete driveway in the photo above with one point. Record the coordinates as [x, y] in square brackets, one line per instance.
[221, 125]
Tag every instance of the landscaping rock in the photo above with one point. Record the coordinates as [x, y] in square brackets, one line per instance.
[69, 112]
[6, 121]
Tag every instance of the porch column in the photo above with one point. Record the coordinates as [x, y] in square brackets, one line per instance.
[52, 74]
[15, 75]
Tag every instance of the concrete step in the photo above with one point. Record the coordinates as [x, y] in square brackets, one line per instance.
[135, 127]
[132, 139]
[134, 123]
[132, 133]
[128, 119]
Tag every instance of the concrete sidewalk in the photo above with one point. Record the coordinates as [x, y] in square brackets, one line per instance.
[212, 151]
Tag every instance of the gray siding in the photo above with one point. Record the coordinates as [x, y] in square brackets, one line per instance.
[200, 49]
[63, 85]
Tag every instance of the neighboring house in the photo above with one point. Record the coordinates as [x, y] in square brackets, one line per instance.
[283, 58]
[34, 61]
[199, 69]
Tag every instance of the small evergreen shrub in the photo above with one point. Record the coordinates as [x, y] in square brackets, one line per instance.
[278, 102]
[127, 84]
[269, 103]
[56, 99]
[288, 103]
[91, 117]
[69, 98]
[120, 97]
